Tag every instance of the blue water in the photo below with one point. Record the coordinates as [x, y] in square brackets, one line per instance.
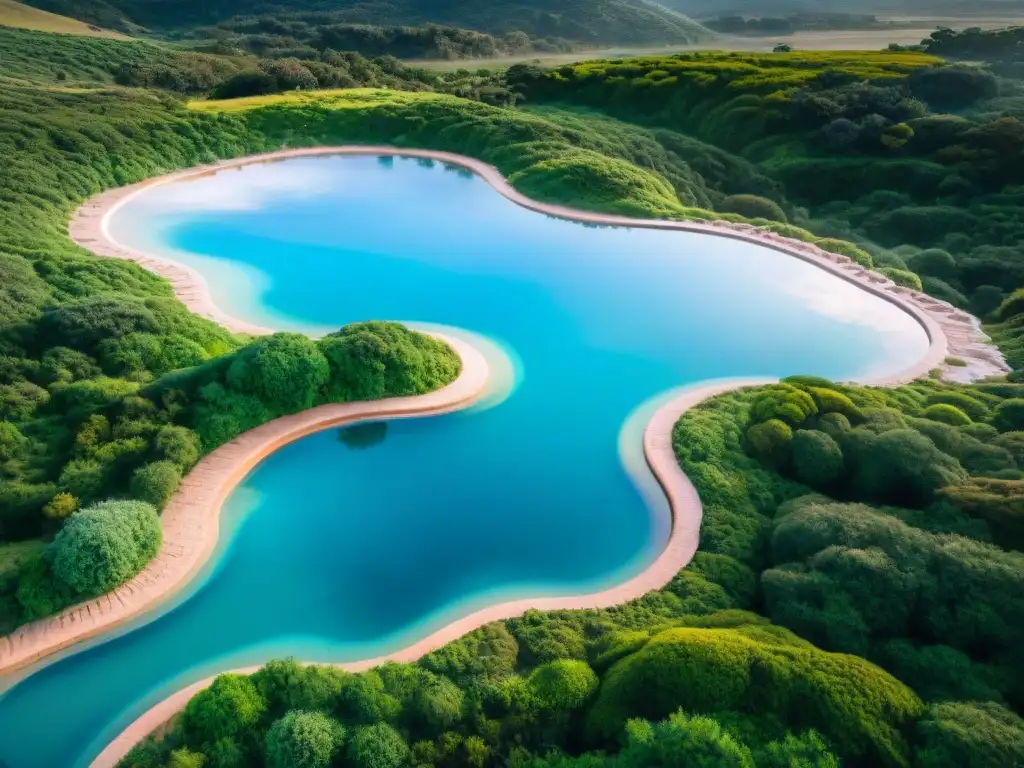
[331, 551]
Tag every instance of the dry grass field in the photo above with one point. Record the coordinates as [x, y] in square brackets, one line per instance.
[21, 16]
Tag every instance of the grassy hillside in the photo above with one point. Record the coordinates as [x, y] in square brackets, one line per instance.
[14, 14]
[582, 21]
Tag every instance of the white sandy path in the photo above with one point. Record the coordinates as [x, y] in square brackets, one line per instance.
[949, 330]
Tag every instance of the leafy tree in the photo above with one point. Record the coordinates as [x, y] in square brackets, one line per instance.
[286, 685]
[303, 740]
[565, 684]
[102, 546]
[376, 746]
[286, 371]
[436, 704]
[700, 741]
[969, 734]
[225, 710]
[808, 750]
[155, 483]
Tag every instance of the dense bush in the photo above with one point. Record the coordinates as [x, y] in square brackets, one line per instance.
[817, 458]
[303, 740]
[104, 545]
[853, 703]
[970, 734]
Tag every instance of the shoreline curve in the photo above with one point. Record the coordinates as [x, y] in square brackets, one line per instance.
[949, 330]
[191, 519]
[687, 514]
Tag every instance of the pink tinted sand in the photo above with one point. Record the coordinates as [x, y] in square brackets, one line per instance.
[191, 529]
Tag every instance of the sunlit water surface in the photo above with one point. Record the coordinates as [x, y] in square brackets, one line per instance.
[332, 551]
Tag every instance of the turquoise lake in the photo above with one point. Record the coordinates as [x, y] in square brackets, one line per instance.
[332, 550]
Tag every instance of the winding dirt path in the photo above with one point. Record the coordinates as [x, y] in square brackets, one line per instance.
[191, 520]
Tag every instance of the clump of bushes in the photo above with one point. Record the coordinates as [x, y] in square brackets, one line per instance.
[102, 546]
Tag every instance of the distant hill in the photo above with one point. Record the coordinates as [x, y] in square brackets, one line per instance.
[706, 9]
[625, 22]
[21, 16]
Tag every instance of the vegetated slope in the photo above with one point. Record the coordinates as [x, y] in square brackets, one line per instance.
[75, 60]
[14, 14]
[306, 35]
[583, 21]
[702, 9]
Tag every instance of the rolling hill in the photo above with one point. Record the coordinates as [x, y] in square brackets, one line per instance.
[630, 22]
[21, 16]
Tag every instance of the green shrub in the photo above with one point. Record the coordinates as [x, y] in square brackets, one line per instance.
[155, 483]
[564, 684]
[831, 401]
[754, 207]
[770, 440]
[860, 708]
[179, 445]
[285, 371]
[946, 414]
[376, 746]
[435, 704]
[101, 547]
[286, 685]
[12, 442]
[817, 458]
[368, 361]
[969, 734]
[901, 466]
[784, 402]
[843, 248]
[60, 506]
[225, 710]
[903, 277]
[975, 409]
[933, 262]
[834, 424]
[702, 740]
[1009, 415]
[1012, 306]
[303, 740]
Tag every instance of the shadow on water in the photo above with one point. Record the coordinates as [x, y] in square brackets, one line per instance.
[359, 437]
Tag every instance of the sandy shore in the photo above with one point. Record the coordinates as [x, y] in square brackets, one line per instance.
[191, 529]
[190, 521]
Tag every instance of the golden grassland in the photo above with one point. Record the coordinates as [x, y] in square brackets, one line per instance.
[21, 16]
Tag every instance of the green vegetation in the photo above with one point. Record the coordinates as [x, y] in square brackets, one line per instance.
[109, 387]
[857, 596]
[927, 582]
[582, 21]
[308, 35]
[912, 159]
